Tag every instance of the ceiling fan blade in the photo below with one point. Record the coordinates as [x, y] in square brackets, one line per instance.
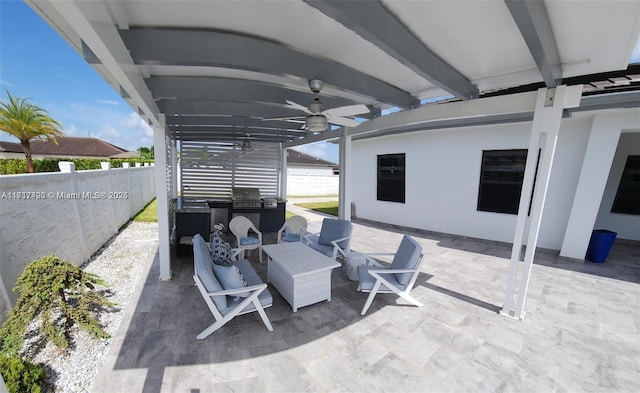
[343, 121]
[303, 108]
[287, 118]
[349, 110]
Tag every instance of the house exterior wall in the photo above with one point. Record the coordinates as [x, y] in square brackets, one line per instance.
[443, 174]
[71, 228]
[626, 225]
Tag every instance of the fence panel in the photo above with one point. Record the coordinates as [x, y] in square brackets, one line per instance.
[312, 184]
[68, 214]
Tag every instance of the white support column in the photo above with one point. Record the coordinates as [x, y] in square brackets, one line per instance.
[550, 104]
[601, 149]
[344, 197]
[162, 198]
[282, 183]
[173, 153]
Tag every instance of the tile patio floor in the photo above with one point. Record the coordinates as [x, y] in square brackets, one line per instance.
[581, 333]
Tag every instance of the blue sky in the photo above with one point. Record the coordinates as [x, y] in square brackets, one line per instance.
[36, 63]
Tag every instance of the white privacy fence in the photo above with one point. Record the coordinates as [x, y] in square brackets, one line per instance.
[312, 184]
[69, 214]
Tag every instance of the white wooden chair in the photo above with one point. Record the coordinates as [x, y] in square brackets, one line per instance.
[240, 227]
[399, 278]
[225, 304]
[293, 229]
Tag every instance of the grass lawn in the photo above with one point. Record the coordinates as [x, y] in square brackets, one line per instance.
[149, 213]
[322, 207]
[288, 214]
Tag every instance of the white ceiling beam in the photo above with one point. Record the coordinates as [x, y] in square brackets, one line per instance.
[500, 107]
[534, 25]
[118, 14]
[372, 21]
[155, 46]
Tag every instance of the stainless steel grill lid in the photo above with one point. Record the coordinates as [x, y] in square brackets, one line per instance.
[246, 197]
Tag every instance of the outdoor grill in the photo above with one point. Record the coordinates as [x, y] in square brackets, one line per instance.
[246, 198]
[270, 203]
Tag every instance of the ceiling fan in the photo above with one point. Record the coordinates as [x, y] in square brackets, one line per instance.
[244, 145]
[317, 118]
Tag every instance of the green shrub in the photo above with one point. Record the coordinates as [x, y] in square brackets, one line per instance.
[13, 166]
[59, 295]
[22, 376]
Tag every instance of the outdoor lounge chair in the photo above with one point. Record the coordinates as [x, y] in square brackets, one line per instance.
[240, 226]
[293, 229]
[225, 304]
[399, 278]
[334, 238]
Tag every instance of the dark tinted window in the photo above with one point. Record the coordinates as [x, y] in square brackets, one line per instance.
[501, 177]
[628, 195]
[391, 177]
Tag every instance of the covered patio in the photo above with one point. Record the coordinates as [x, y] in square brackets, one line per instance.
[228, 86]
[581, 332]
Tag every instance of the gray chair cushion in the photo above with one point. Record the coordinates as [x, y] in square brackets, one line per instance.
[334, 229]
[407, 257]
[248, 272]
[367, 281]
[291, 237]
[248, 241]
[204, 269]
[264, 297]
[252, 279]
[326, 250]
[231, 278]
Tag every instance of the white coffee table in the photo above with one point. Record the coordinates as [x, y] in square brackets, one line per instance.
[301, 274]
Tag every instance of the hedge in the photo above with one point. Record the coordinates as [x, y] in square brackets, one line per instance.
[13, 166]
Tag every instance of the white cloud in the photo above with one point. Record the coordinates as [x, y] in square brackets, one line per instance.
[72, 130]
[108, 102]
[5, 83]
[324, 150]
[108, 133]
[115, 124]
[135, 122]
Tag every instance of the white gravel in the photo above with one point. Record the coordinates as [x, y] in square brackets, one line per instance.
[120, 263]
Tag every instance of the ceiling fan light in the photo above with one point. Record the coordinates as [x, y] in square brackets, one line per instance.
[317, 123]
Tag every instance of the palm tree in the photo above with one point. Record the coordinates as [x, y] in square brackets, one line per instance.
[25, 121]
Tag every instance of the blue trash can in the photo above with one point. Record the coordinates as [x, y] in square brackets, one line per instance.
[600, 245]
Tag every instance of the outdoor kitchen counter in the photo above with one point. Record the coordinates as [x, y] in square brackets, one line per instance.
[222, 210]
[191, 206]
[191, 217]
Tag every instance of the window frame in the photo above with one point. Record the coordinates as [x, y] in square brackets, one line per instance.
[627, 184]
[387, 181]
[485, 181]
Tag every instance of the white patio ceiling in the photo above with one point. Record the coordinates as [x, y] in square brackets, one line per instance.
[216, 69]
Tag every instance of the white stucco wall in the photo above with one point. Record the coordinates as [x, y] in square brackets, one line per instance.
[626, 225]
[35, 227]
[442, 179]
